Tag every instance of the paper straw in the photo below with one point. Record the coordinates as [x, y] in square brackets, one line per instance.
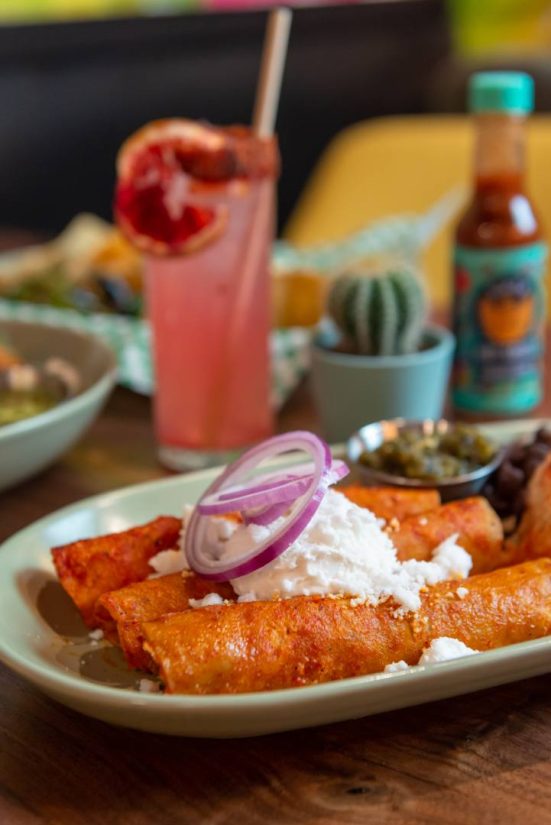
[268, 88]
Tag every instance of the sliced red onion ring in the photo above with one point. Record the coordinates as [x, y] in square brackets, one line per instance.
[319, 480]
[267, 515]
[265, 490]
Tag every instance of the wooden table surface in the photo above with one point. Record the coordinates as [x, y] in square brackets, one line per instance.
[481, 758]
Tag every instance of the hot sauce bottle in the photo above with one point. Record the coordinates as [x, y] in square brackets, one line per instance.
[499, 260]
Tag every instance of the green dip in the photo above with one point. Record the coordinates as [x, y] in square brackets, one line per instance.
[432, 457]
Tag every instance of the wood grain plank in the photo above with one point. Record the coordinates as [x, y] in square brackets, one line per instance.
[457, 761]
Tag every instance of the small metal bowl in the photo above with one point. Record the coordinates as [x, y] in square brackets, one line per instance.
[373, 435]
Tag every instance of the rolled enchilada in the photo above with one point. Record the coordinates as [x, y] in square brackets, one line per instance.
[91, 567]
[392, 502]
[478, 526]
[256, 646]
[120, 613]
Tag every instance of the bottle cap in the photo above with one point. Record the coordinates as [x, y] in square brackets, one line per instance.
[511, 92]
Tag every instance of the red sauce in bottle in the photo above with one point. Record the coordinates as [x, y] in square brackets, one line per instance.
[499, 265]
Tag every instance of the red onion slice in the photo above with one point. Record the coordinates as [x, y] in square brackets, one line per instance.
[299, 518]
[267, 515]
[266, 490]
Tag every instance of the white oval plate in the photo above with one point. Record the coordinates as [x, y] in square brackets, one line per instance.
[30, 647]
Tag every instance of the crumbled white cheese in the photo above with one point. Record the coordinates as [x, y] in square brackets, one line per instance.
[167, 562]
[396, 667]
[172, 561]
[343, 551]
[207, 601]
[148, 686]
[461, 592]
[247, 597]
[96, 635]
[455, 561]
[440, 650]
[443, 649]
[218, 530]
[186, 515]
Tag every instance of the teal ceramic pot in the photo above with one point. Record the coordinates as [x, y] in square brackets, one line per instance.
[353, 390]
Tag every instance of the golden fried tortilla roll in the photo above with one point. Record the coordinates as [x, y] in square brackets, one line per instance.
[91, 567]
[478, 525]
[120, 613]
[302, 641]
[391, 502]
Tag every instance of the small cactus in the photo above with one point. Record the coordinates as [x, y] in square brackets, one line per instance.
[380, 314]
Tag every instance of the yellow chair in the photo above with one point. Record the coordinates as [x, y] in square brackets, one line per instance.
[405, 164]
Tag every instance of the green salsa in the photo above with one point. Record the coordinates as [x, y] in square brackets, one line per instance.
[15, 405]
[432, 457]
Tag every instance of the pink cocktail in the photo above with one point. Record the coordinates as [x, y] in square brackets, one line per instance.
[208, 299]
[210, 318]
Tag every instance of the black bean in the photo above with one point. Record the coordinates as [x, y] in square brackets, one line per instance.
[538, 451]
[543, 436]
[509, 479]
[506, 490]
[518, 503]
[530, 466]
[516, 454]
[501, 506]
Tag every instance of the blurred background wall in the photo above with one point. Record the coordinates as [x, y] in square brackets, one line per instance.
[77, 76]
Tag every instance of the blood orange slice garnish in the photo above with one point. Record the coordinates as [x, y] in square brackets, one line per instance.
[163, 166]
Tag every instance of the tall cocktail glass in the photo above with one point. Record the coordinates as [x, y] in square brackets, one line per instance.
[210, 317]
[198, 200]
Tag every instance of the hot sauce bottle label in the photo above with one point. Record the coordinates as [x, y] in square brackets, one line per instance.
[499, 312]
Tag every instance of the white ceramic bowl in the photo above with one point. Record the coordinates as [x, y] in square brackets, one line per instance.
[30, 445]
